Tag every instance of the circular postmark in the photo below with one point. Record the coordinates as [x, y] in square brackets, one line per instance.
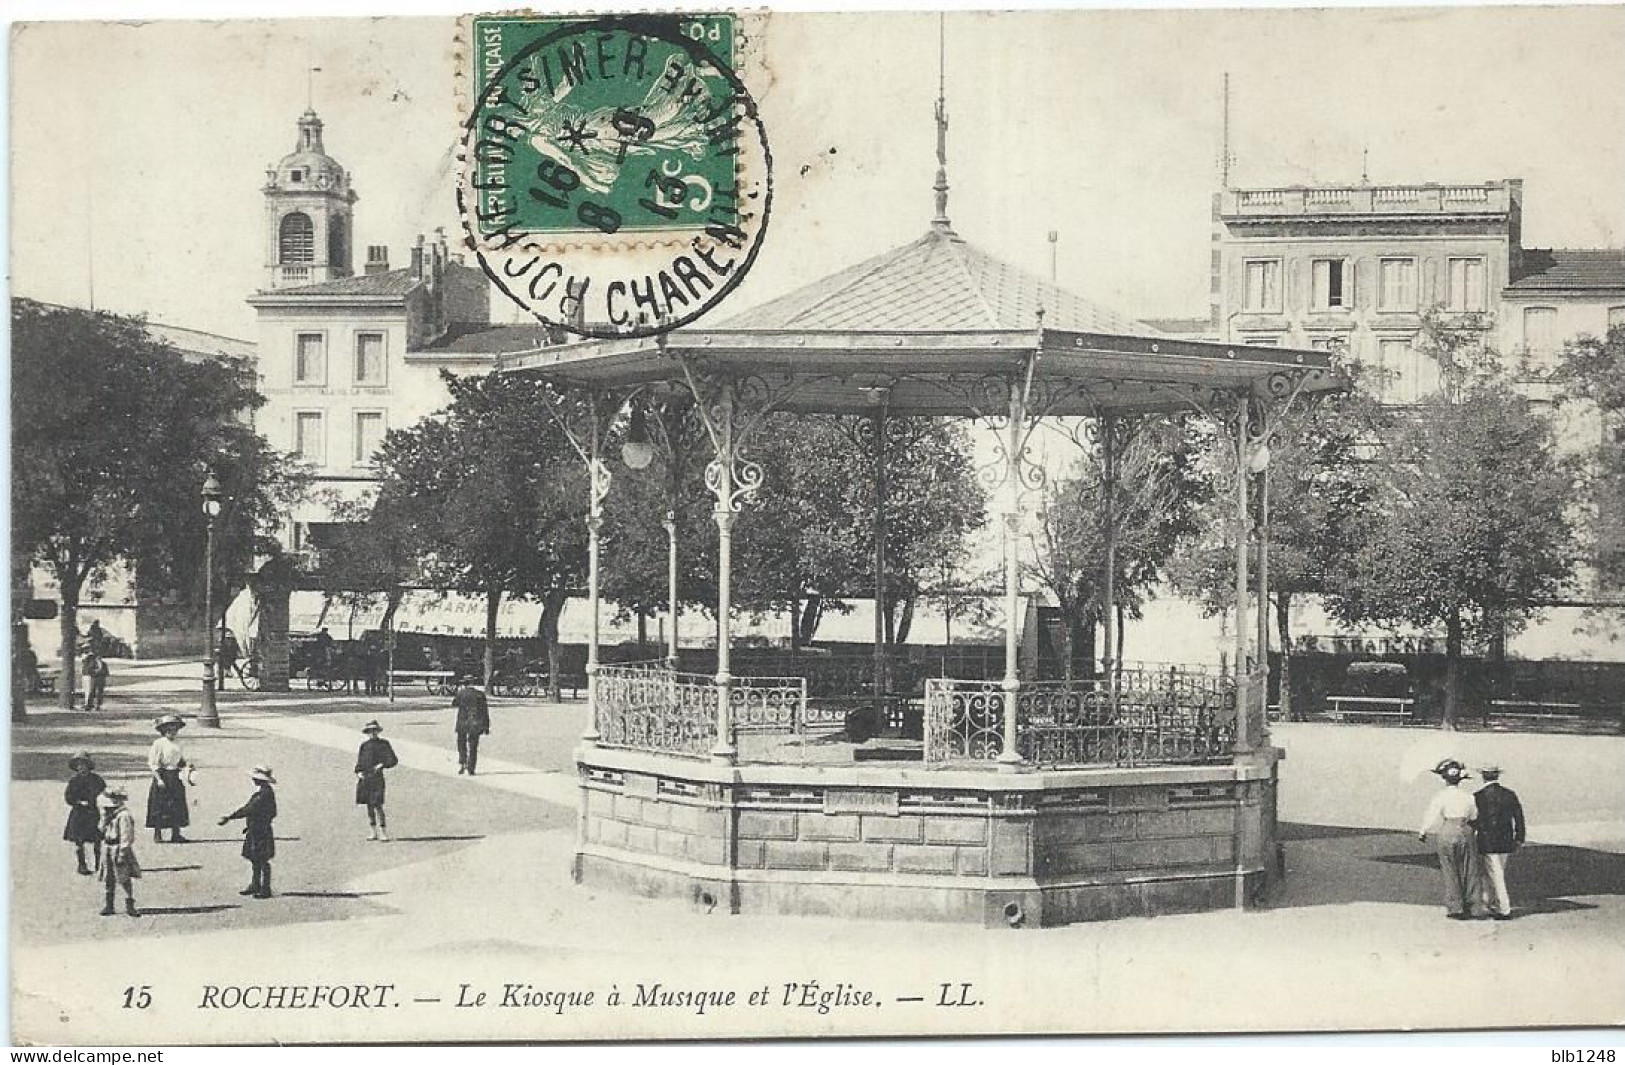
[615, 176]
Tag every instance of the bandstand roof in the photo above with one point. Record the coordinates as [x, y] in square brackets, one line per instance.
[944, 328]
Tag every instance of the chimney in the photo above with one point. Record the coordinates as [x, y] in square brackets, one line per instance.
[377, 259]
[417, 258]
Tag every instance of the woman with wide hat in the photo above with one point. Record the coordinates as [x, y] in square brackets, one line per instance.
[166, 796]
[375, 756]
[259, 839]
[1449, 820]
[84, 823]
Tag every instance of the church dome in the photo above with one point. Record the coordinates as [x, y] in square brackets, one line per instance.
[308, 166]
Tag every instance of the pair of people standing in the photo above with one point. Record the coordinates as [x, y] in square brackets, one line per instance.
[99, 817]
[1474, 834]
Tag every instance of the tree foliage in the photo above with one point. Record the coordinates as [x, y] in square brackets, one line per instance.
[1155, 500]
[1593, 373]
[1471, 528]
[497, 497]
[114, 432]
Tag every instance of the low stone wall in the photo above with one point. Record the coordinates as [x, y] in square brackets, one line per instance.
[1028, 848]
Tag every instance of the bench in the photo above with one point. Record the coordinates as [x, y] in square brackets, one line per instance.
[1532, 708]
[46, 685]
[576, 682]
[438, 681]
[1369, 706]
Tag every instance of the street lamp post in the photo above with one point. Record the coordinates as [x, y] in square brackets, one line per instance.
[209, 715]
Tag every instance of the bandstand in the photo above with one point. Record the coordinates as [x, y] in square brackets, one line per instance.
[1031, 803]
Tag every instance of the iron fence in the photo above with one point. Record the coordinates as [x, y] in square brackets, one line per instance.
[1146, 717]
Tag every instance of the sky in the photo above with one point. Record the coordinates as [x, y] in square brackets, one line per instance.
[138, 150]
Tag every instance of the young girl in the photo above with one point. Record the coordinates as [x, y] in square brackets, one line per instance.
[84, 826]
[375, 756]
[259, 840]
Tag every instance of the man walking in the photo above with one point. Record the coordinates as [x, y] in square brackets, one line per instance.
[1500, 827]
[473, 721]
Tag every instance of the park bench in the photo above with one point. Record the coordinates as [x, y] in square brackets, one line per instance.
[47, 682]
[437, 681]
[575, 682]
[1534, 708]
[1349, 707]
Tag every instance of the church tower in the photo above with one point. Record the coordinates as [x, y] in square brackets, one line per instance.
[308, 202]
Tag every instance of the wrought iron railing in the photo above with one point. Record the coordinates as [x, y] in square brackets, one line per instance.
[1147, 717]
[767, 704]
[650, 707]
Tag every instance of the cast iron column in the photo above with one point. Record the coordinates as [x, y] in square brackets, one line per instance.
[1243, 671]
[880, 564]
[721, 482]
[1009, 757]
[598, 487]
[1108, 434]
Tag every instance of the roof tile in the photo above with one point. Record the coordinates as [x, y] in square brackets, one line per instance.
[1570, 268]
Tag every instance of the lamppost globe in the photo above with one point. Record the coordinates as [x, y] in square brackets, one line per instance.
[637, 452]
[637, 455]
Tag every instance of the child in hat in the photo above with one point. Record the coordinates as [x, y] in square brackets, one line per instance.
[259, 839]
[119, 865]
[84, 825]
[375, 756]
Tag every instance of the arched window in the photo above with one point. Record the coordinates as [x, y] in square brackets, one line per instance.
[296, 239]
[338, 243]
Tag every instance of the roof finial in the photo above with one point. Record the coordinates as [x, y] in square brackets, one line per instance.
[941, 220]
[1365, 165]
[1225, 158]
[310, 87]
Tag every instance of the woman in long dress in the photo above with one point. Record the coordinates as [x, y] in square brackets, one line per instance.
[166, 796]
[1449, 820]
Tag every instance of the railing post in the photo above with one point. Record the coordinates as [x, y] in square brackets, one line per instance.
[1009, 756]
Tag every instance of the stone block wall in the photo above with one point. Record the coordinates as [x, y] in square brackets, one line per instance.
[864, 842]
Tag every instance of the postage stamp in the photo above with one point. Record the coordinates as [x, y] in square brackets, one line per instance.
[616, 177]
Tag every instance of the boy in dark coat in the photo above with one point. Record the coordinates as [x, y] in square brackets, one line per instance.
[84, 824]
[259, 840]
[375, 756]
[473, 721]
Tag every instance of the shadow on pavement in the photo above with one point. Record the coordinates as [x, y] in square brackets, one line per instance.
[331, 894]
[1329, 865]
[435, 839]
[170, 868]
[161, 911]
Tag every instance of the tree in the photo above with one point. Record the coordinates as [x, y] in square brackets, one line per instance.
[808, 536]
[1321, 483]
[1155, 497]
[497, 497]
[633, 563]
[113, 434]
[1470, 529]
[1592, 374]
[375, 550]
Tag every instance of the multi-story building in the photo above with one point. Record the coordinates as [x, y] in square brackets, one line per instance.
[1359, 265]
[346, 357]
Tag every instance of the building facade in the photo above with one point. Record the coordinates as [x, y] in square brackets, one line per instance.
[1359, 265]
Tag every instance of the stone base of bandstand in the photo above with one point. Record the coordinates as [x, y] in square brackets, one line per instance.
[1001, 848]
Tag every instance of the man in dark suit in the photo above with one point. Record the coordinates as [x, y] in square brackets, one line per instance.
[1501, 829]
[473, 721]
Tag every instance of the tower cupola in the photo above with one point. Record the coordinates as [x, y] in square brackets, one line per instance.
[308, 208]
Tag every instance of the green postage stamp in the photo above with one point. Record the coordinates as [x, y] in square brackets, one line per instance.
[615, 170]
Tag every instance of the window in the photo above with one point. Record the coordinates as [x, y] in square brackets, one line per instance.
[369, 358]
[1262, 340]
[1407, 375]
[296, 239]
[1540, 334]
[369, 435]
[1325, 343]
[296, 175]
[1616, 317]
[1398, 285]
[310, 359]
[1466, 281]
[308, 441]
[1263, 285]
[1333, 290]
